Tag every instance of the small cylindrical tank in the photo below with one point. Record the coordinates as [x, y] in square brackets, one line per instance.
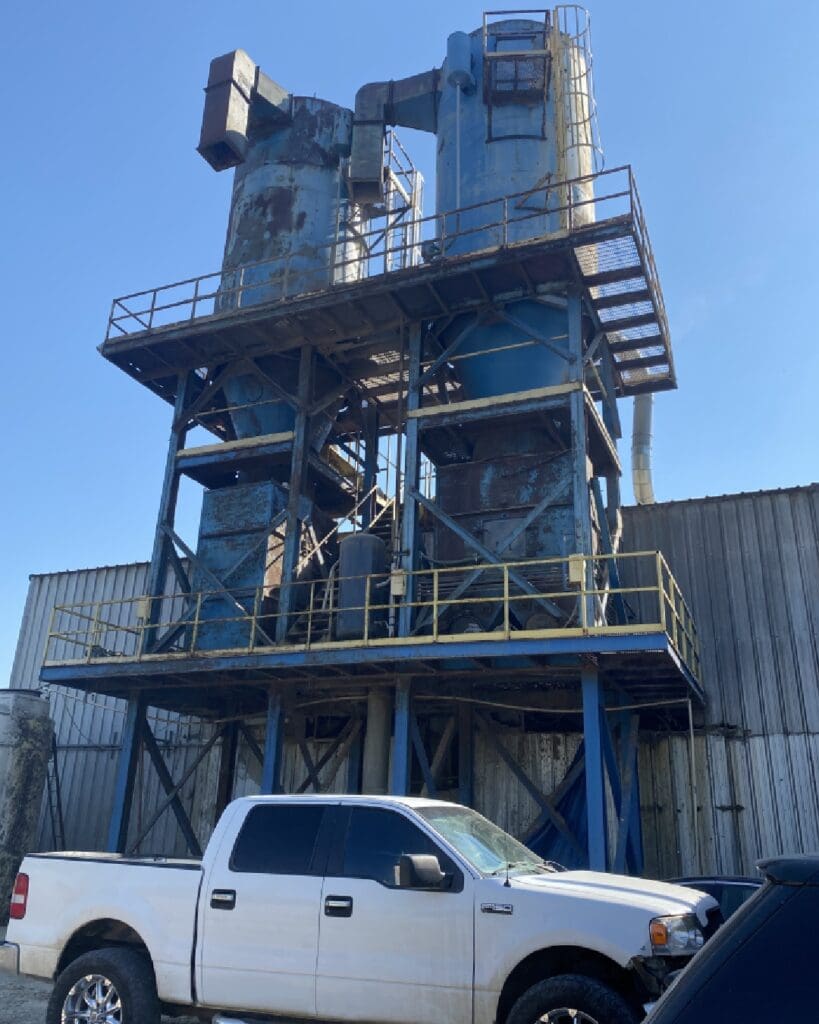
[287, 207]
[362, 555]
[26, 735]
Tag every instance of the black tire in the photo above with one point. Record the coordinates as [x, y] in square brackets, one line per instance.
[572, 992]
[128, 971]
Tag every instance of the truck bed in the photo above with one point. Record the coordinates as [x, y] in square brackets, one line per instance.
[154, 897]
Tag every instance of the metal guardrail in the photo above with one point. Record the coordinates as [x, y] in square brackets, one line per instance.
[576, 589]
[573, 206]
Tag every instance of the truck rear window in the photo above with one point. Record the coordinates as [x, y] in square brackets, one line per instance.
[278, 840]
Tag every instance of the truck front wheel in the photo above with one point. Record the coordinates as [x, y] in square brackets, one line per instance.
[571, 999]
[105, 986]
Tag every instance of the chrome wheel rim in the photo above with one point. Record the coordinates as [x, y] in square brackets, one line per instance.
[92, 1000]
[565, 1015]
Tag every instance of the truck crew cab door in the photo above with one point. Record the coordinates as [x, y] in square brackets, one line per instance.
[388, 954]
[259, 917]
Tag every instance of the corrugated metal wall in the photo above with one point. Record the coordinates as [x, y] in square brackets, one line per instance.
[89, 727]
[749, 566]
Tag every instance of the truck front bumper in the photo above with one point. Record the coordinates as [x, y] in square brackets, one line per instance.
[9, 957]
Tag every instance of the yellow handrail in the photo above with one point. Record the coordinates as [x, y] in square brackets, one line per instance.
[190, 623]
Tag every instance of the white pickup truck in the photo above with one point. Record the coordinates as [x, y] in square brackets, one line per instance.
[366, 909]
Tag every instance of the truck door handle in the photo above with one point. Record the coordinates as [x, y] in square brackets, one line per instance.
[223, 899]
[338, 906]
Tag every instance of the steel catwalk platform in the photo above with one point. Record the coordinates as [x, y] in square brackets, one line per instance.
[622, 638]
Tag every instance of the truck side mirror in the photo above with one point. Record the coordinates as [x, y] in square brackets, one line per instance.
[420, 871]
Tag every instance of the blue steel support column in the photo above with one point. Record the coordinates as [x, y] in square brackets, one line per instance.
[167, 507]
[595, 788]
[273, 744]
[126, 774]
[298, 472]
[581, 498]
[582, 505]
[412, 461]
[465, 754]
[370, 462]
[401, 750]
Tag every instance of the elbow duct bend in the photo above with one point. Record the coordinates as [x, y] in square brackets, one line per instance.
[641, 450]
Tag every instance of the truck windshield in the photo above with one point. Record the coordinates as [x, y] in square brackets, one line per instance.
[487, 847]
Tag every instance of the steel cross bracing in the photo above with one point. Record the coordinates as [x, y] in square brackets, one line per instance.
[378, 364]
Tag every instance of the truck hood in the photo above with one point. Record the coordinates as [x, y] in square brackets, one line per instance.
[660, 899]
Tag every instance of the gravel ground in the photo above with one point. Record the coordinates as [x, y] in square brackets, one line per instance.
[23, 1000]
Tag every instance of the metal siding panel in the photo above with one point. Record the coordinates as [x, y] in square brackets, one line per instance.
[742, 687]
[784, 681]
[649, 810]
[749, 566]
[722, 807]
[804, 779]
[89, 727]
[794, 554]
[545, 757]
[669, 858]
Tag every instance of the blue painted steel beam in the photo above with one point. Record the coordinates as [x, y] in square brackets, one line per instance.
[611, 414]
[188, 464]
[412, 465]
[499, 650]
[548, 807]
[608, 549]
[298, 473]
[450, 350]
[370, 463]
[171, 790]
[485, 552]
[466, 764]
[401, 749]
[552, 497]
[579, 434]
[126, 773]
[421, 754]
[629, 841]
[512, 408]
[273, 744]
[157, 574]
[631, 854]
[595, 790]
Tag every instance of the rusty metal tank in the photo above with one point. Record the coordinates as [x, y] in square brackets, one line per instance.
[289, 208]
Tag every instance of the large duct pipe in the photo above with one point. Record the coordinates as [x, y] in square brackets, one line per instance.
[641, 450]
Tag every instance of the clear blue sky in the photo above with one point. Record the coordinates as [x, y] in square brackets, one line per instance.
[715, 105]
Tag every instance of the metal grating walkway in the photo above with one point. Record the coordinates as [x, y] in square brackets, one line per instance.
[602, 241]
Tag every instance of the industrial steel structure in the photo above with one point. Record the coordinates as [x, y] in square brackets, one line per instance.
[411, 505]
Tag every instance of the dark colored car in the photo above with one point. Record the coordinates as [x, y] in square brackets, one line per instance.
[760, 967]
[730, 891]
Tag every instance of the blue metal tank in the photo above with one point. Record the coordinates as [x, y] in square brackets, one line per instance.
[497, 135]
[288, 202]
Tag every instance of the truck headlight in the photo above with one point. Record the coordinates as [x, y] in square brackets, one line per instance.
[676, 936]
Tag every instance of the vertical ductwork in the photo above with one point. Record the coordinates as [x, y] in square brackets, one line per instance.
[641, 450]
